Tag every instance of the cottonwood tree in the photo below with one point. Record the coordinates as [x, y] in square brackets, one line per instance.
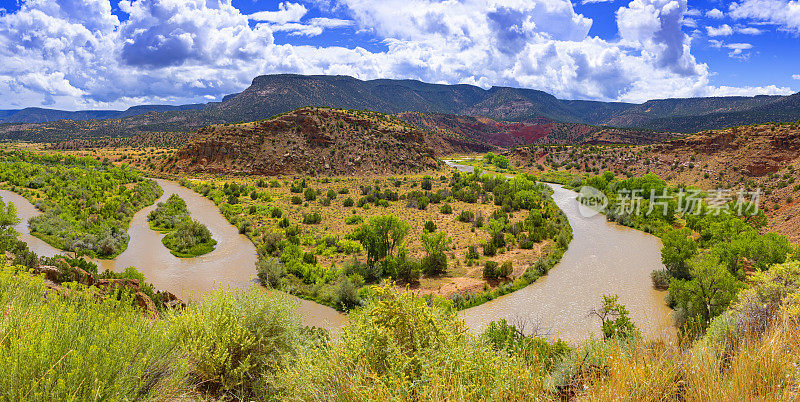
[614, 318]
[381, 236]
[708, 293]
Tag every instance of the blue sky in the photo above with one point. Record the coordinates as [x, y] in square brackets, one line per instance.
[88, 54]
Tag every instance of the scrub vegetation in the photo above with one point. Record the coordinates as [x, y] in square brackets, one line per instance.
[185, 237]
[86, 204]
[329, 239]
[250, 345]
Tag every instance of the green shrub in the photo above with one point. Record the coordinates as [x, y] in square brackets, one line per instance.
[489, 249]
[434, 264]
[422, 202]
[347, 294]
[237, 343]
[76, 346]
[660, 278]
[353, 219]
[310, 194]
[472, 254]
[446, 209]
[429, 227]
[270, 271]
[426, 183]
[296, 200]
[466, 216]
[348, 202]
[505, 270]
[490, 270]
[312, 218]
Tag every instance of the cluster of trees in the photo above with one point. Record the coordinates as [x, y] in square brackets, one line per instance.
[706, 260]
[499, 161]
[288, 255]
[189, 239]
[185, 237]
[169, 214]
[86, 203]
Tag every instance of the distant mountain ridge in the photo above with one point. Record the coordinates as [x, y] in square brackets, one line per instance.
[272, 95]
[36, 115]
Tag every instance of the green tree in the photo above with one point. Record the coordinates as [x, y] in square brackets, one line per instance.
[435, 260]
[707, 294]
[500, 161]
[678, 248]
[8, 218]
[614, 318]
[381, 236]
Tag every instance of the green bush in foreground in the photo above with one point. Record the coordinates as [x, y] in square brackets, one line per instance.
[249, 345]
[80, 347]
[236, 342]
[399, 348]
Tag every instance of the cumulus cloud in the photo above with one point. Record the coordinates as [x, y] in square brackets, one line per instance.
[287, 12]
[722, 30]
[715, 13]
[77, 54]
[748, 30]
[796, 76]
[784, 13]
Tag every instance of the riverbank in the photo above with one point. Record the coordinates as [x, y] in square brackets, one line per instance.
[230, 266]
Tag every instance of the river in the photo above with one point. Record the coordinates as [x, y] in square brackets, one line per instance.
[603, 258]
[231, 265]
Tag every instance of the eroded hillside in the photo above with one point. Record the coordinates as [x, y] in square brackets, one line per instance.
[763, 156]
[503, 134]
[309, 141]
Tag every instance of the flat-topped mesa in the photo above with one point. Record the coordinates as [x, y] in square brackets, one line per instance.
[310, 141]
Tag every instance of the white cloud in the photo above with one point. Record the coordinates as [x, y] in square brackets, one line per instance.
[748, 30]
[692, 12]
[784, 13]
[796, 76]
[287, 12]
[595, 1]
[297, 29]
[737, 50]
[77, 54]
[655, 25]
[331, 22]
[715, 13]
[722, 30]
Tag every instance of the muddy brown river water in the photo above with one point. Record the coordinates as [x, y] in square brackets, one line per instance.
[231, 265]
[603, 258]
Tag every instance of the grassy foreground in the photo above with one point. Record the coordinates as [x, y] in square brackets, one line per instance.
[250, 345]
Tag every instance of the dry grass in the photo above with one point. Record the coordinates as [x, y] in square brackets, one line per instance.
[759, 368]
